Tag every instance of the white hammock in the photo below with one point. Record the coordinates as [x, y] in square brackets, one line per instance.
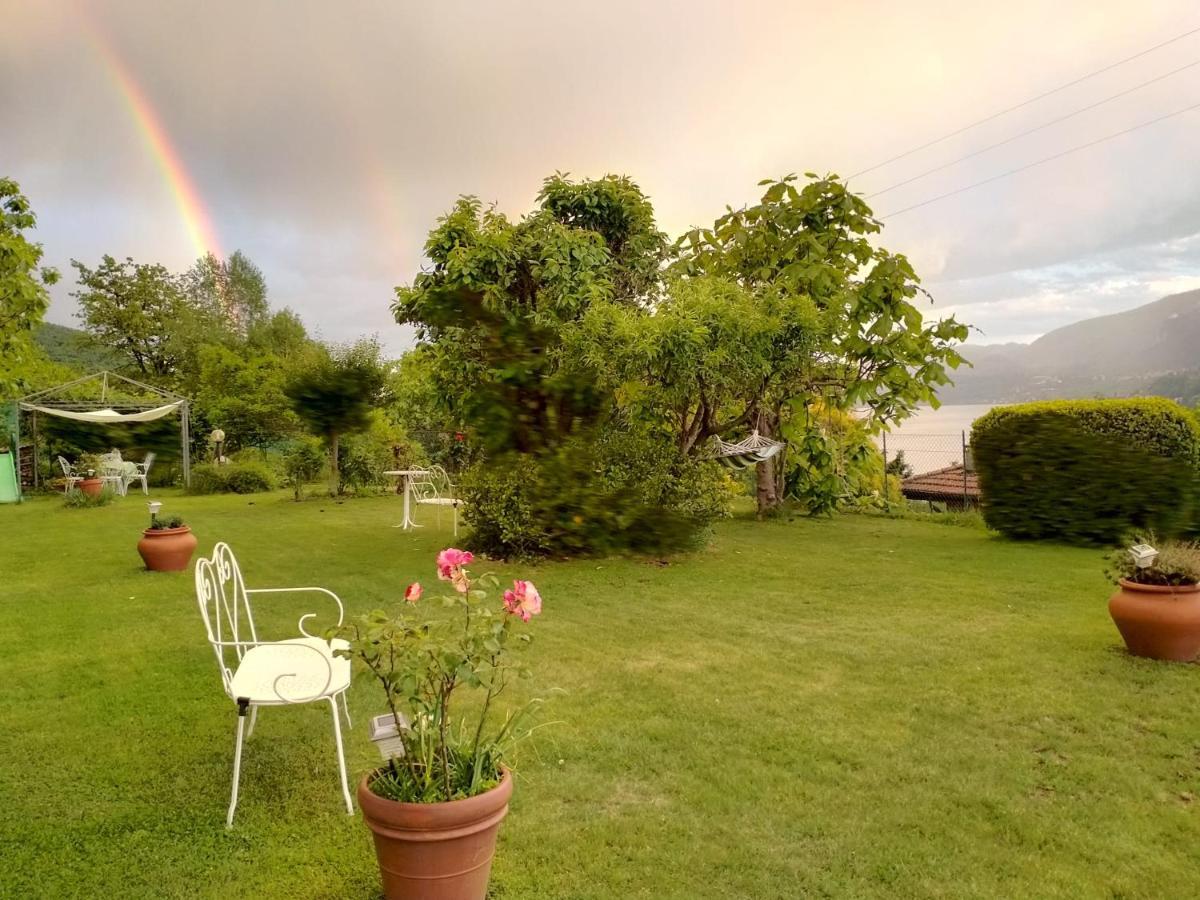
[746, 452]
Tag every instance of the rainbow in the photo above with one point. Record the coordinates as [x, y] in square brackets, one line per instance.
[196, 218]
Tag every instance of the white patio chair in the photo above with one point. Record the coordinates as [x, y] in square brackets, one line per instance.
[139, 474]
[69, 472]
[435, 488]
[258, 673]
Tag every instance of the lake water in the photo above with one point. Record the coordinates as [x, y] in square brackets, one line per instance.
[932, 438]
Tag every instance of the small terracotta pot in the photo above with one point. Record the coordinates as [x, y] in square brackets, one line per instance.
[91, 486]
[1157, 621]
[167, 549]
[436, 851]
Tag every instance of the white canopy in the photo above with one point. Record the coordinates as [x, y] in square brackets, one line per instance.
[107, 416]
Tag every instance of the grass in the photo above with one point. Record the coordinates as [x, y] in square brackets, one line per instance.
[859, 707]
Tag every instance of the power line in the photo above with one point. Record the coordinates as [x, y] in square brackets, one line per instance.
[1109, 137]
[1030, 131]
[1041, 96]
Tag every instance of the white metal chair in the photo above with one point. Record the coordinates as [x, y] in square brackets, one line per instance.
[139, 474]
[434, 488]
[258, 673]
[69, 472]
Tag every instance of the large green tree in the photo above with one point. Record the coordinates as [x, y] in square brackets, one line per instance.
[137, 309]
[23, 282]
[502, 313]
[232, 291]
[335, 393]
[868, 346]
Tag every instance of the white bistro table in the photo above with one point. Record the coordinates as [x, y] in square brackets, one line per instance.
[407, 475]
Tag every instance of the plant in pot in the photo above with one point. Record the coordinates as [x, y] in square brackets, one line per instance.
[1157, 604]
[167, 545]
[435, 806]
[88, 468]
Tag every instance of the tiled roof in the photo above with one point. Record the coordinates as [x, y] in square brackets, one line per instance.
[947, 482]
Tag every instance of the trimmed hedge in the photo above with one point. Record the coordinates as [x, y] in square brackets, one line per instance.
[1088, 471]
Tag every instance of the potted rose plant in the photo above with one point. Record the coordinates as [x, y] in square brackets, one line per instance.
[436, 805]
[1157, 604]
[167, 545]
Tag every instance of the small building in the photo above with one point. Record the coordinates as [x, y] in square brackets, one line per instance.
[956, 487]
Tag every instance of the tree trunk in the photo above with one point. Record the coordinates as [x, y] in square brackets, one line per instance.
[768, 497]
[335, 480]
[769, 474]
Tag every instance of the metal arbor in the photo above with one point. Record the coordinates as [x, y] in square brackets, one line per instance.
[118, 404]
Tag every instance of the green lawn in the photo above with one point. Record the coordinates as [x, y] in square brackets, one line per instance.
[848, 708]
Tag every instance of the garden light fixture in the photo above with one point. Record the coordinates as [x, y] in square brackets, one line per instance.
[155, 506]
[1143, 555]
[386, 736]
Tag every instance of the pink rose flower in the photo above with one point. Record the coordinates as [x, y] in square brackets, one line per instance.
[451, 560]
[523, 600]
[412, 593]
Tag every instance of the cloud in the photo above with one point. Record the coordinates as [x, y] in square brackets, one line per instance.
[325, 139]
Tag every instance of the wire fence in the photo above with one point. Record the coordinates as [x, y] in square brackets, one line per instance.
[918, 454]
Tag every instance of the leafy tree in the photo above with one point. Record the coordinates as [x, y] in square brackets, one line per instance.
[232, 291]
[503, 313]
[873, 348]
[241, 392]
[135, 308]
[281, 333]
[23, 281]
[335, 392]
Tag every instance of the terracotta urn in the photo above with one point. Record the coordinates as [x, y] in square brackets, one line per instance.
[436, 851]
[1158, 621]
[91, 486]
[167, 549]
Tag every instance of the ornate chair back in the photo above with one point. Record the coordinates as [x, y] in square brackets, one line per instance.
[225, 608]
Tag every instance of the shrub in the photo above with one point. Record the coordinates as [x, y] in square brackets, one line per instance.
[239, 478]
[1087, 471]
[620, 492]
[80, 500]
[302, 463]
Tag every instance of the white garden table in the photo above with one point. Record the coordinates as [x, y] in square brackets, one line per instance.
[407, 475]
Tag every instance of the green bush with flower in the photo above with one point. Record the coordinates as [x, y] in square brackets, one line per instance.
[425, 662]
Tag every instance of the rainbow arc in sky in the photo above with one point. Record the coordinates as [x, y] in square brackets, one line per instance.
[196, 217]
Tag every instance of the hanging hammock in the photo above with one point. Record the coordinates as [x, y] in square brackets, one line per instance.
[746, 452]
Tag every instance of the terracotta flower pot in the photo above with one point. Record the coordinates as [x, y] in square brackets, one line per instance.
[167, 549]
[91, 486]
[1157, 621]
[436, 851]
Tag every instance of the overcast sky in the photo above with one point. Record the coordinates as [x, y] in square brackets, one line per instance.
[325, 138]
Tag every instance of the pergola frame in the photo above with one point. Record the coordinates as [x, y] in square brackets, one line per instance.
[50, 399]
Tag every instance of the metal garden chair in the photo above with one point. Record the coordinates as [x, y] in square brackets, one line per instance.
[69, 472]
[139, 474]
[258, 673]
[434, 488]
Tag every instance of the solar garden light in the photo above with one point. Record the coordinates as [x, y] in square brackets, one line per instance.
[155, 506]
[386, 737]
[218, 439]
[1143, 555]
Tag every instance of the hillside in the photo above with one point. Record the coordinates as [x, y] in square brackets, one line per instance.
[1151, 349]
[74, 348]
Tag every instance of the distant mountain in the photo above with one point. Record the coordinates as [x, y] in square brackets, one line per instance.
[75, 348]
[1154, 349]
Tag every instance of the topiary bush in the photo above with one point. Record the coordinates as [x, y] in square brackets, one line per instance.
[239, 478]
[1088, 471]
